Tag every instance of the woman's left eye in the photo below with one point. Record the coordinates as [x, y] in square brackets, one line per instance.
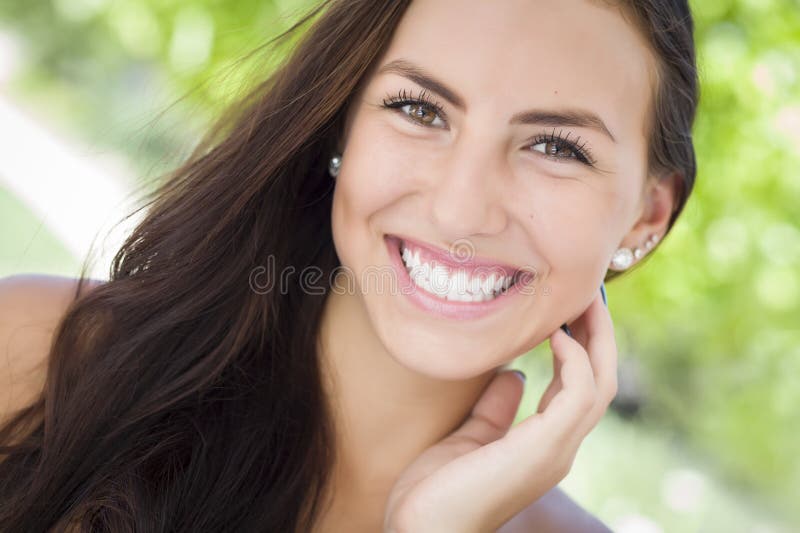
[554, 149]
[558, 148]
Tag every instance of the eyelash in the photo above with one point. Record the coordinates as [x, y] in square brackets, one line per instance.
[581, 153]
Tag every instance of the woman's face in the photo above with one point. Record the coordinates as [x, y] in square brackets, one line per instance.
[535, 161]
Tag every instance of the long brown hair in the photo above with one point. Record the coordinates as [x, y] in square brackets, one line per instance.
[177, 396]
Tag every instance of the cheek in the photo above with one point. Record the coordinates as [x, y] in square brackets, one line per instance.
[374, 173]
[373, 177]
[573, 223]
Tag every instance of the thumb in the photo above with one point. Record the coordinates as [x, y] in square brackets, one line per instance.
[494, 412]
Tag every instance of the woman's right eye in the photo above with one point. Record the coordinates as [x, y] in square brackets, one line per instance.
[420, 112]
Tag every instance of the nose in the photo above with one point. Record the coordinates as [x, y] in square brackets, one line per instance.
[466, 192]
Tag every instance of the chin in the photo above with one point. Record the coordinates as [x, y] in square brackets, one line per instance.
[439, 352]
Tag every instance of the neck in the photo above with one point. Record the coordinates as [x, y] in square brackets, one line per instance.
[385, 415]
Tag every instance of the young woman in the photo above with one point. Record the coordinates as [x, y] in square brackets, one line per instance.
[242, 370]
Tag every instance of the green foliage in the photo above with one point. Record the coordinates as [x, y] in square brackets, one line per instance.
[714, 314]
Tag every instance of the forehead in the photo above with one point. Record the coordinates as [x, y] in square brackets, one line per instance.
[571, 53]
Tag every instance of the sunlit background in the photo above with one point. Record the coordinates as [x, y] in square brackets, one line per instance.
[99, 97]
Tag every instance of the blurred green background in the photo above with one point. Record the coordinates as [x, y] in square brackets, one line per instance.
[98, 96]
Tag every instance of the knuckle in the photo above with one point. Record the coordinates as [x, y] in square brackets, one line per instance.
[610, 390]
[565, 469]
[614, 389]
[409, 517]
[588, 401]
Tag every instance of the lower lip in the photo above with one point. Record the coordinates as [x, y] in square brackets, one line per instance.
[445, 308]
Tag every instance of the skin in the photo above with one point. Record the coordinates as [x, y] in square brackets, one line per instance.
[471, 175]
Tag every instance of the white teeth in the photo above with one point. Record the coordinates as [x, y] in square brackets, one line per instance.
[499, 284]
[440, 280]
[452, 294]
[418, 275]
[488, 284]
[475, 285]
[459, 286]
[461, 281]
[425, 284]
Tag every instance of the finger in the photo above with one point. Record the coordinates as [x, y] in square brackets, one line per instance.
[489, 419]
[602, 349]
[586, 326]
[560, 425]
[494, 412]
[596, 326]
[549, 393]
[576, 396]
[542, 445]
[553, 387]
[578, 326]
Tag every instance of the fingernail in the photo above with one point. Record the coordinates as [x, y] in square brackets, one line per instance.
[521, 374]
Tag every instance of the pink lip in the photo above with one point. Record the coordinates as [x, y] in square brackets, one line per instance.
[429, 254]
[448, 308]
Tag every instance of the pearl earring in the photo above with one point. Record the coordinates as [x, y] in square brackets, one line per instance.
[334, 165]
[623, 258]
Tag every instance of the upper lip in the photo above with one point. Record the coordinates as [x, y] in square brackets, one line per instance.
[444, 257]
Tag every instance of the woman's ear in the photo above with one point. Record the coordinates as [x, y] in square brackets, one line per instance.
[660, 199]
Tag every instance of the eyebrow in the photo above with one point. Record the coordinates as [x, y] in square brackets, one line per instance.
[579, 118]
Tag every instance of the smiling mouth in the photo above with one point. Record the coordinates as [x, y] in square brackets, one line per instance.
[453, 280]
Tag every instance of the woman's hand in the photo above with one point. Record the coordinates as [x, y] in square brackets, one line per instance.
[483, 474]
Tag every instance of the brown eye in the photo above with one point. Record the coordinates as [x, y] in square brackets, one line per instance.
[558, 148]
[420, 112]
[554, 149]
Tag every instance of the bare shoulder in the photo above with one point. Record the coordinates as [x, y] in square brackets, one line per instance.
[31, 306]
[555, 512]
